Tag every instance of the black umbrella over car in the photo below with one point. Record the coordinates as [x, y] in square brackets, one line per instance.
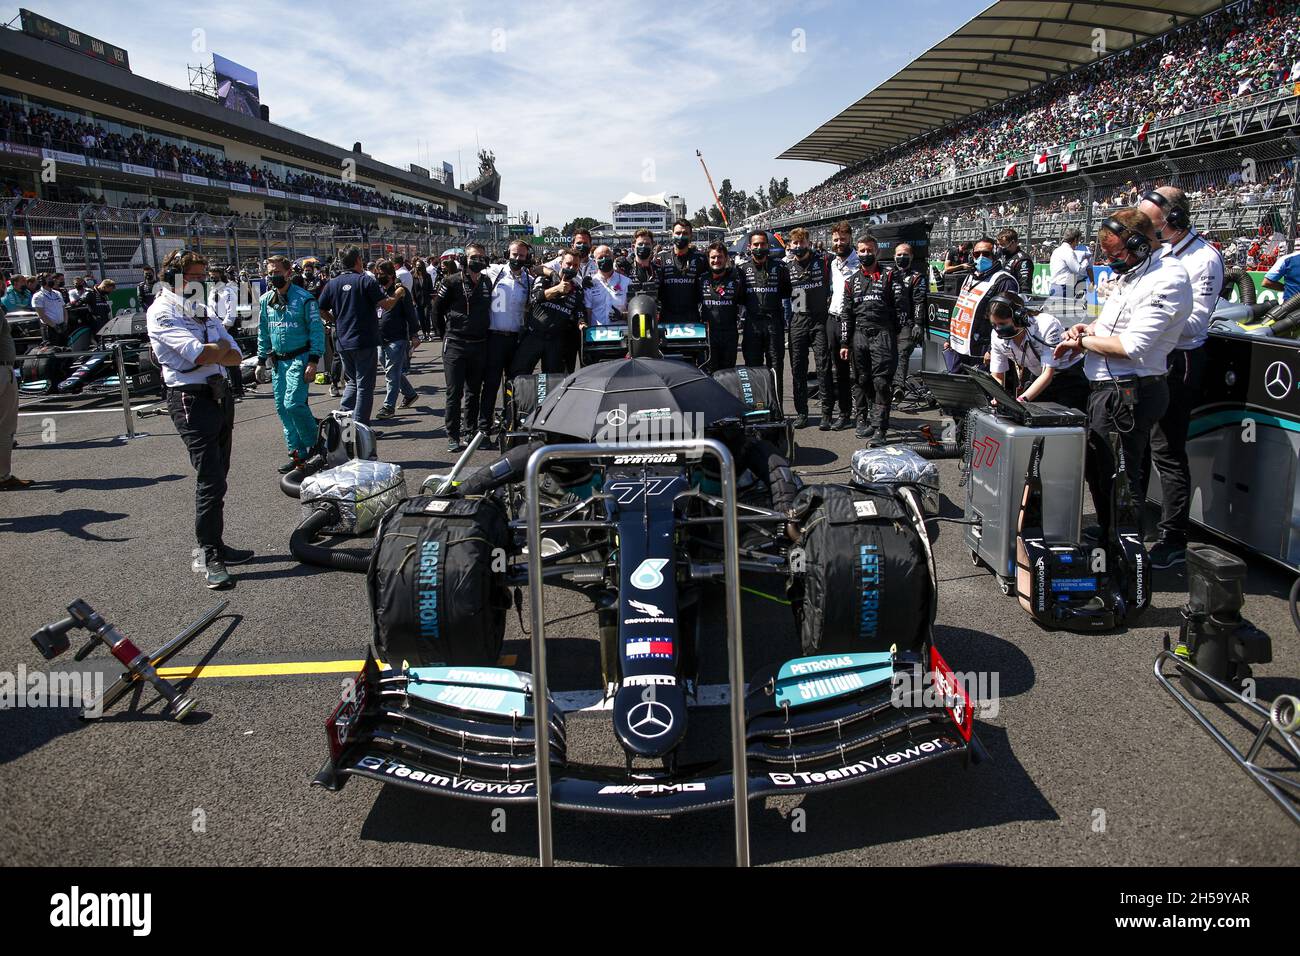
[636, 399]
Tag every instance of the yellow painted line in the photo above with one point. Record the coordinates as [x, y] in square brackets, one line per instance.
[285, 669]
[288, 668]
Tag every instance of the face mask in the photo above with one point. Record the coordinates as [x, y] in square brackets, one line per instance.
[983, 263]
[800, 251]
[605, 263]
[903, 262]
[866, 260]
[1007, 331]
[760, 253]
[681, 242]
[568, 273]
[277, 281]
[642, 252]
[516, 263]
[1119, 267]
[477, 264]
[581, 246]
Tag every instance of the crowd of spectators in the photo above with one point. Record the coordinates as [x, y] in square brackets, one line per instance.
[1268, 194]
[1249, 48]
[47, 130]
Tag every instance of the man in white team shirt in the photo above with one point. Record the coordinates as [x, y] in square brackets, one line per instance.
[606, 299]
[1126, 350]
[1067, 266]
[844, 263]
[1171, 215]
[511, 283]
[1026, 342]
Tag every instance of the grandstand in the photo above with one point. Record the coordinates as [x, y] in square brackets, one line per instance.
[142, 167]
[1016, 119]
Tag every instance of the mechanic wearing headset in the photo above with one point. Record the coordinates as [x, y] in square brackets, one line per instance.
[194, 349]
[1027, 342]
[1126, 350]
[1171, 215]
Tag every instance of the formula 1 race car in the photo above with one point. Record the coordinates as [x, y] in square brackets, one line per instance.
[618, 496]
[84, 361]
[684, 340]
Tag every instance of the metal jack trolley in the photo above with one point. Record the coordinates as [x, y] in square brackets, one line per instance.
[1280, 719]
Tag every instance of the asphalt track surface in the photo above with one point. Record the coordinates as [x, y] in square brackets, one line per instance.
[1093, 763]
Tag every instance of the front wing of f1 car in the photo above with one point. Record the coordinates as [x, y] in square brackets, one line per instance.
[813, 724]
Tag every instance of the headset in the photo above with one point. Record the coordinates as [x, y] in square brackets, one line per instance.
[1135, 242]
[1016, 303]
[175, 263]
[1177, 215]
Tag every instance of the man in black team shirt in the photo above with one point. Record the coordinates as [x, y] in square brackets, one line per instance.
[554, 308]
[463, 304]
[868, 326]
[767, 309]
[810, 277]
[679, 269]
[721, 291]
[912, 298]
[643, 271]
[1015, 260]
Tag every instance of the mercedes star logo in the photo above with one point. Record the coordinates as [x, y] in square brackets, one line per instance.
[650, 719]
[616, 417]
[1277, 380]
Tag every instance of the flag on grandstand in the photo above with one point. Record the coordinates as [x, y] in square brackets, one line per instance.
[866, 202]
[1040, 161]
[1067, 158]
[1141, 135]
[1010, 170]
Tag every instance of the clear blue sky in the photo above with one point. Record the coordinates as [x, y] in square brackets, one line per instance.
[580, 102]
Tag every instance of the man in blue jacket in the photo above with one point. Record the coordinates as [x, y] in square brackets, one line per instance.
[352, 302]
[291, 336]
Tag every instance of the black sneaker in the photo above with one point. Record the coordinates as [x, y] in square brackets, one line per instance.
[801, 421]
[231, 555]
[214, 571]
[827, 423]
[287, 467]
[877, 441]
[410, 400]
[384, 412]
[864, 430]
[454, 446]
[1167, 553]
[843, 423]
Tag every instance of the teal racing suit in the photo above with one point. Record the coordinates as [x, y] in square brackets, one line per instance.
[291, 336]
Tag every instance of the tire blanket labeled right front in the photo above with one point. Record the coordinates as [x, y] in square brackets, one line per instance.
[866, 584]
[435, 581]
